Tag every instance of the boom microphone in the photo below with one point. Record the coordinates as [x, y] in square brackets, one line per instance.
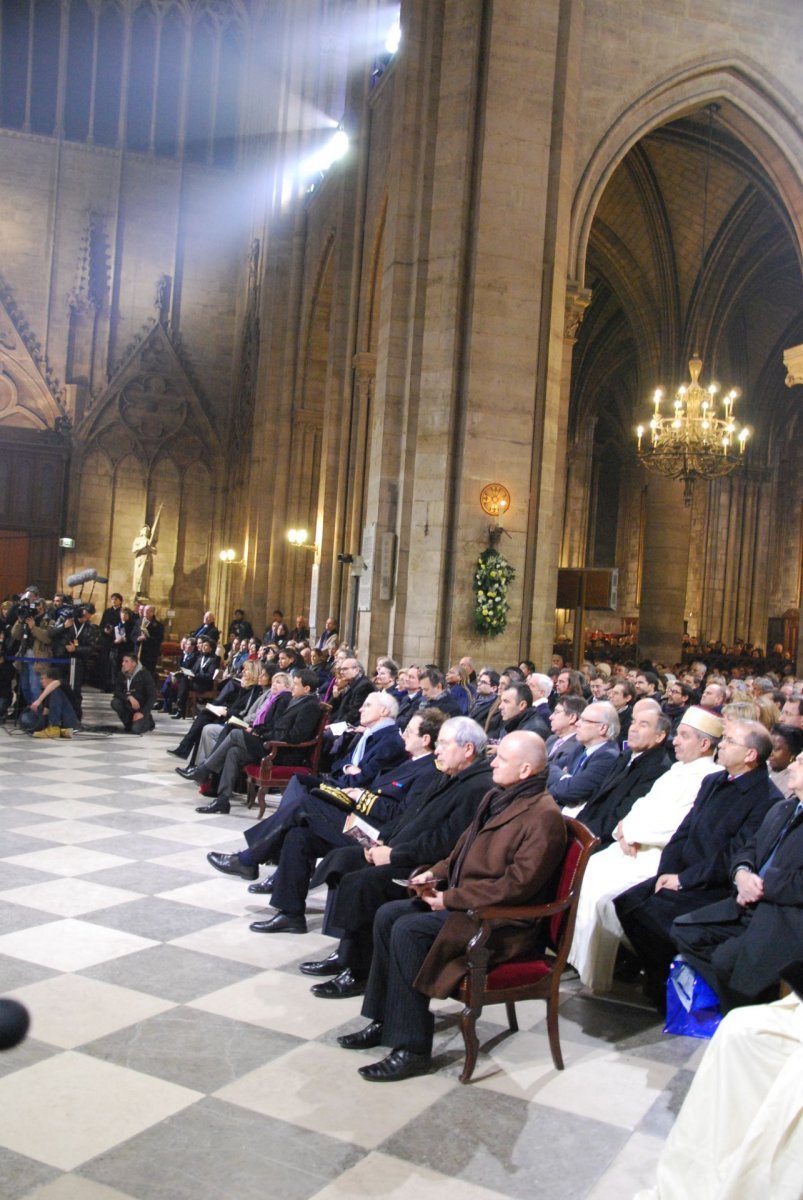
[88, 576]
[14, 1022]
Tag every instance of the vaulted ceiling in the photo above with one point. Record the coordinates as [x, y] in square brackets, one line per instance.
[657, 297]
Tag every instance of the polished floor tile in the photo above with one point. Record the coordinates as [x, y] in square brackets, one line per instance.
[80, 1090]
[68, 897]
[68, 1010]
[69, 945]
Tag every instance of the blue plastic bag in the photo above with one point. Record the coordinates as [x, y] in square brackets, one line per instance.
[692, 1008]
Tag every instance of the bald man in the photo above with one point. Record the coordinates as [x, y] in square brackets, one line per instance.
[509, 855]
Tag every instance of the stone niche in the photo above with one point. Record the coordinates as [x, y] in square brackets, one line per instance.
[146, 450]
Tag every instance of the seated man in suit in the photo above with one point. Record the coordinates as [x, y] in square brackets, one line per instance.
[640, 836]
[741, 944]
[562, 746]
[632, 773]
[201, 677]
[377, 749]
[322, 824]
[509, 854]
[296, 723]
[597, 731]
[694, 869]
[360, 881]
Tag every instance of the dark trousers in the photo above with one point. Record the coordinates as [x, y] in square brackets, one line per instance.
[712, 950]
[358, 898]
[302, 846]
[647, 916]
[192, 738]
[404, 930]
[266, 837]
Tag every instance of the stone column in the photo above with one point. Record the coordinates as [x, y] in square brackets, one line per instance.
[666, 558]
[793, 361]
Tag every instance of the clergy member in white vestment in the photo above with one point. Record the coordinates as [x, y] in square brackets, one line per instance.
[640, 838]
[739, 1134]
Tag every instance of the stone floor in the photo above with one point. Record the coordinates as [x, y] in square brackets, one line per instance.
[174, 1055]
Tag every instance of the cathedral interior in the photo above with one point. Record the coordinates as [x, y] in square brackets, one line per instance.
[209, 315]
[335, 267]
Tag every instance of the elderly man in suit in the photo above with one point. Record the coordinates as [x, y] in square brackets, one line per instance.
[508, 855]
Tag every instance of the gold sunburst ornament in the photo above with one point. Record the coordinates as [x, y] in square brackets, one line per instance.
[495, 499]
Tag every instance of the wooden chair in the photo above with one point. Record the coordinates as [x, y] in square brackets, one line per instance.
[270, 776]
[536, 978]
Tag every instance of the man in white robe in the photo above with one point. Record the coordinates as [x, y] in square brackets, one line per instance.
[739, 1134]
[640, 838]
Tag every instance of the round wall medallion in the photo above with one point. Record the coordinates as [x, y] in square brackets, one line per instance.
[495, 499]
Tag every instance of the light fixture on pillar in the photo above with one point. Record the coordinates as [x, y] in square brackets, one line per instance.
[495, 501]
[696, 439]
[298, 538]
[228, 558]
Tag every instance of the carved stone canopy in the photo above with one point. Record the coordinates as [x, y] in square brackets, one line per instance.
[26, 400]
[150, 409]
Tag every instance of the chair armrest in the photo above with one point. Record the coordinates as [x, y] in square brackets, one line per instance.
[519, 912]
[274, 747]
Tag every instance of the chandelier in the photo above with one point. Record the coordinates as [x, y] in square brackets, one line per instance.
[696, 440]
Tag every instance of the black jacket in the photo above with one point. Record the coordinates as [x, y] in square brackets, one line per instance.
[427, 830]
[621, 788]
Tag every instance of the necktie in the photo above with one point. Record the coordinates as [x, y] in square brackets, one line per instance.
[578, 766]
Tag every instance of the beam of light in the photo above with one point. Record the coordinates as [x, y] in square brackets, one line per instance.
[393, 38]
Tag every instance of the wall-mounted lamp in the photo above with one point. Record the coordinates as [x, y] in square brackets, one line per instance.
[227, 557]
[495, 501]
[298, 538]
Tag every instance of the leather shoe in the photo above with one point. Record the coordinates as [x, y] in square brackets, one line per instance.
[177, 752]
[282, 923]
[343, 985]
[230, 864]
[363, 1039]
[177, 716]
[263, 888]
[185, 772]
[323, 966]
[220, 806]
[399, 1064]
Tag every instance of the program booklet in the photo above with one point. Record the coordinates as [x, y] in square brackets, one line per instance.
[364, 835]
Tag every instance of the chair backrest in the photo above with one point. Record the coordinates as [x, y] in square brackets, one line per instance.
[581, 843]
[315, 756]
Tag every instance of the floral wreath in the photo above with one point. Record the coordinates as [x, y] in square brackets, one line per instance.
[492, 575]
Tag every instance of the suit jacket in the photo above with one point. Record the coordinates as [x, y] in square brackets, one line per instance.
[570, 790]
[408, 706]
[722, 821]
[383, 750]
[513, 859]
[346, 707]
[428, 827]
[141, 687]
[390, 791]
[773, 928]
[535, 721]
[148, 650]
[566, 754]
[296, 722]
[621, 788]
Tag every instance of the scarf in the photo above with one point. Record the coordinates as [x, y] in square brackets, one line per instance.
[492, 804]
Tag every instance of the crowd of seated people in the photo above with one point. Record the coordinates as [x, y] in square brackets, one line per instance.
[691, 780]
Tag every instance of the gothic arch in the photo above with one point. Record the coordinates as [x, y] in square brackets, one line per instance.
[758, 111]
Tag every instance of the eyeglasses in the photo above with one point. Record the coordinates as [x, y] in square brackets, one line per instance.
[726, 739]
[591, 721]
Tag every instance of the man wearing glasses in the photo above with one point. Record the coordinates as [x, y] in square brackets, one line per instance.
[597, 731]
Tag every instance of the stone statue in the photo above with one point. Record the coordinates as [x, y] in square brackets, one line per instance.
[143, 548]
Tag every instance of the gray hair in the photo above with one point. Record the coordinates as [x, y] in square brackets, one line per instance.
[466, 732]
[606, 714]
[389, 703]
[543, 682]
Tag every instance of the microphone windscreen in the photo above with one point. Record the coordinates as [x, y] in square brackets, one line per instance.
[14, 1022]
[100, 578]
[82, 577]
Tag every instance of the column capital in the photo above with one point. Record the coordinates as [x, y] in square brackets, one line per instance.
[793, 361]
[577, 301]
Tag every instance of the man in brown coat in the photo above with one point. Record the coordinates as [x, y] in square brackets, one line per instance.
[510, 854]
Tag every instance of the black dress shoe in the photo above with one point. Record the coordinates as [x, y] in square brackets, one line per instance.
[343, 985]
[220, 806]
[188, 773]
[322, 966]
[230, 864]
[263, 888]
[399, 1064]
[177, 752]
[177, 716]
[363, 1039]
[282, 923]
